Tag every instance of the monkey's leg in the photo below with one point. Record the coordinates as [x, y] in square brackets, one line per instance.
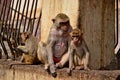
[71, 62]
[42, 54]
[63, 61]
[85, 61]
[79, 63]
[22, 58]
[52, 66]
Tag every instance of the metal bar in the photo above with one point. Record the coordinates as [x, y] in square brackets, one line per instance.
[2, 9]
[12, 27]
[117, 13]
[38, 23]
[30, 20]
[3, 22]
[3, 35]
[23, 13]
[9, 43]
[10, 20]
[26, 15]
[34, 14]
[17, 11]
[17, 20]
[21, 21]
[7, 19]
[4, 49]
[1, 17]
[14, 15]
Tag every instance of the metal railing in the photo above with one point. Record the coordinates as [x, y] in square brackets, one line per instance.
[13, 22]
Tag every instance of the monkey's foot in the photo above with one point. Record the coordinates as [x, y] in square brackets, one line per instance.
[54, 74]
[52, 68]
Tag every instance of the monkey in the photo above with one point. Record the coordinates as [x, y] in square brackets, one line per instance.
[29, 50]
[78, 51]
[42, 54]
[33, 51]
[58, 42]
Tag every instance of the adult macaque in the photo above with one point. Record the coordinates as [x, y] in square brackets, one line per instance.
[58, 42]
[29, 50]
[78, 50]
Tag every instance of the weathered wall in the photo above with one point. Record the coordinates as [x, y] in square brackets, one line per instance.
[97, 20]
[36, 72]
[96, 17]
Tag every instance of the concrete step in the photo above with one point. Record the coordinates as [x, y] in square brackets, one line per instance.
[13, 70]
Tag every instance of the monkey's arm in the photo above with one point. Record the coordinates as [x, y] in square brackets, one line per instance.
[86, 50]
[71, 57]
[50, 57]
[25, 48]
[51, 44]
[22, 48]
[50, 52]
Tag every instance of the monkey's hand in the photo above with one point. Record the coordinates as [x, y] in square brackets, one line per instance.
[22, 48]
[53, 70]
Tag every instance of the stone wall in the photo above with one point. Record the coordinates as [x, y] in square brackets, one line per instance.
[37, 72]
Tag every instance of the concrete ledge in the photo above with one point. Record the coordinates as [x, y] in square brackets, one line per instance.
[37, 72]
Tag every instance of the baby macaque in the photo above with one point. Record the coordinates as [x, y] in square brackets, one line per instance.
[29, 50]
[78, 50]
[32, 51]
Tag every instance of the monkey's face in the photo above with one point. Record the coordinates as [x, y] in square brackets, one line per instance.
[61, 21]
[75, 38]
[24, 36]
[76, 35]
[64, 26]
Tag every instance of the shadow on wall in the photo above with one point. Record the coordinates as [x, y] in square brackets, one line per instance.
[0, 53]
[114, 64]
[118, 59]
[118, 77]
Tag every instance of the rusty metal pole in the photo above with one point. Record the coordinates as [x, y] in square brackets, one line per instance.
[34, 15]
[26, 15]
[30, 19]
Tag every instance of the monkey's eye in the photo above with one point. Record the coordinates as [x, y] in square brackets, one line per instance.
[64, 23]
[75, 36]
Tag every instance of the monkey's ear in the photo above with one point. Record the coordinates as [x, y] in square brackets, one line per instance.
[53, 20]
